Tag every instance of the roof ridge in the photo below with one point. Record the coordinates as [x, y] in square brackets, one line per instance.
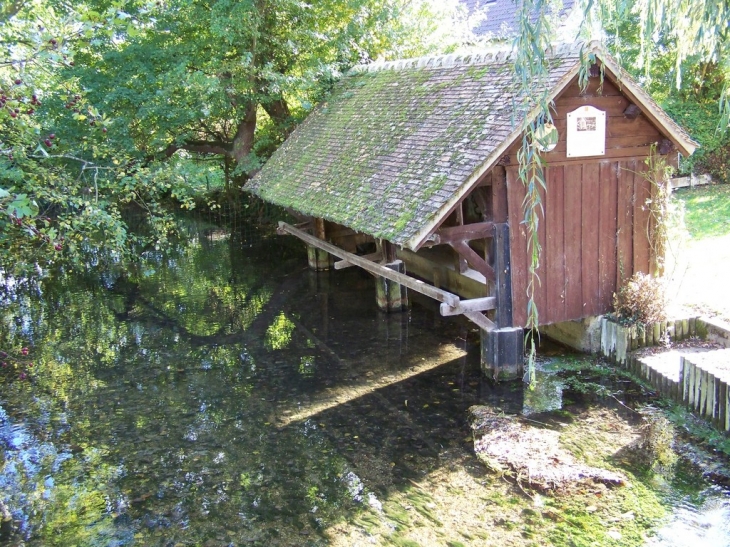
[478, 57]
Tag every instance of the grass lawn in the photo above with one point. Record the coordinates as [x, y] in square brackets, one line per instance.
[706, 210]
[698, 258]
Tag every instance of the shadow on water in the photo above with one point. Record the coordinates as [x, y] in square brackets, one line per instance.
[222, 394]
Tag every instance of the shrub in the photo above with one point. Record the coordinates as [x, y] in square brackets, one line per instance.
[701, 119]
[642, 299]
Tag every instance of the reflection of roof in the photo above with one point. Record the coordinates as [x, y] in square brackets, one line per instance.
[501, 15]
[398, 144]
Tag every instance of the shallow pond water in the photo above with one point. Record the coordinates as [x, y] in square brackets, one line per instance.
[223, 394]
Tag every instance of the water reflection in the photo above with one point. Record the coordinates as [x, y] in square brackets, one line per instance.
[222, 394]
[218, 394]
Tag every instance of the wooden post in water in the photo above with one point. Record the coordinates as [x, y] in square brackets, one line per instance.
[318, 259]
[503, 349]
[390, 295]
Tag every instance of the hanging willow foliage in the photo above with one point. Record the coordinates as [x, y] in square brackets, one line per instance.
[532, 72]
[695, 28]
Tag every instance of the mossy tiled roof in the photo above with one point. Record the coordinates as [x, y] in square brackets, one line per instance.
[396, 144]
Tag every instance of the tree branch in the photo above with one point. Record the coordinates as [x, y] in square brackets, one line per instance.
[201, 147]
[278, 111]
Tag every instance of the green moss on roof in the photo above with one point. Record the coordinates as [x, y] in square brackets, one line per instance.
[389, 147]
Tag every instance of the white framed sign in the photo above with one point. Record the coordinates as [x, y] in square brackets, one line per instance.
[586, 135]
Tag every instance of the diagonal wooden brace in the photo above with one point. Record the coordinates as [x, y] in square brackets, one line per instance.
[473, 259]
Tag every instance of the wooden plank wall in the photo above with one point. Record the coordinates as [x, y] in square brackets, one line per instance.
[625, 138]
[593, 236]
[594, 233]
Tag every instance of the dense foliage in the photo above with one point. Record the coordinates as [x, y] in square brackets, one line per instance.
[689, 86]
[112, 107]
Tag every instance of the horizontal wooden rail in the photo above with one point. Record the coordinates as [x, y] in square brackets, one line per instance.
[342, 264]
[475, 304]
[373, 267]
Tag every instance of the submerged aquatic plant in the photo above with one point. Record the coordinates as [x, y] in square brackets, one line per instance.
[655, 446]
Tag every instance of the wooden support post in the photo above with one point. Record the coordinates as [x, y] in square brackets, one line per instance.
[503, 349]
[503, 353]
[461, 263]
[499, 195]
[389, 252]
[503, 274]
[318, 259]
[391, 296]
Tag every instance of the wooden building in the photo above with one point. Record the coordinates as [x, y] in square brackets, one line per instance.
[417, 160]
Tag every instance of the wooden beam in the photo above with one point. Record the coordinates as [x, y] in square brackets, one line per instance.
[342, 264]
[474, 260]
[378, 269]
[480, 320]
[503, 270]
[472, 305]
[465, 232]
[632, 111]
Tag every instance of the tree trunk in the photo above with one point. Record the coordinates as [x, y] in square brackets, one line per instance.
[244, 138]
[279, 113]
